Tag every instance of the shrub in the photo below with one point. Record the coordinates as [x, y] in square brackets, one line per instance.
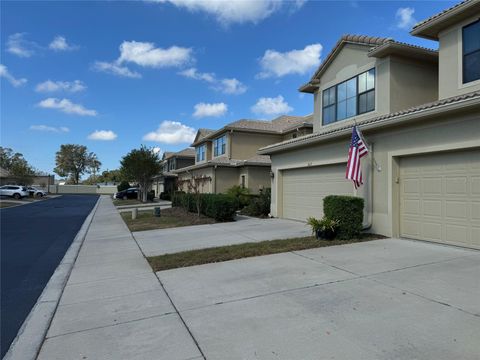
[218, 206]
[259, 206]
[348, 212]
[165, 196]
[240, 194]
[124, 185]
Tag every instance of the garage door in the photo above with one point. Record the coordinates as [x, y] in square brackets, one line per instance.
[440, 197]
[304, 189]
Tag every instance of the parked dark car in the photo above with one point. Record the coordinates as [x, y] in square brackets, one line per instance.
[131, 193]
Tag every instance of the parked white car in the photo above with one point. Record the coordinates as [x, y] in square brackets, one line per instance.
[15, 191]
[36, 192]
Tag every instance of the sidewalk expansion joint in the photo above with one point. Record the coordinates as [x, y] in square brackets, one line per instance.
[173, 304]
[278, 292]
[111, 325]
[427, 298]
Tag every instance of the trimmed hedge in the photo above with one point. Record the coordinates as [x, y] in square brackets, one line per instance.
[217, 206]
[259, 205]
[165, 196]
[348, 211]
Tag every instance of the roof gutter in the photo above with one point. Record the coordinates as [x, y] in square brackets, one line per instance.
[460, 105]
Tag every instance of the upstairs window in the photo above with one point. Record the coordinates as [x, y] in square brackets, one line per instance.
[471, 52]
[172, 164]
[201, 152]
[219, 145]
[349, 98]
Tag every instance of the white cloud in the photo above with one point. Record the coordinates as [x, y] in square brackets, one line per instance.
[157, 150]
[210, 110]
[115, 69]
[66, 106]
[231, 86]
[59, 43]
[144, 54]
[227, 86]
[61, 129]
[104, 135]
[12, 80]
[271, 106]
[17, 45]
[68, 86]
[171, 132]
[277, 64]
[240, 11]
[147, 55]
[193, 73]
[405, 19]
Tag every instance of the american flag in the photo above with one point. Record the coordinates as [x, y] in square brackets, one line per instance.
[357, 150]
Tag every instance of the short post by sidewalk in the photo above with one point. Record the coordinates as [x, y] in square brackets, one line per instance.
[134, 213]
[156, 211]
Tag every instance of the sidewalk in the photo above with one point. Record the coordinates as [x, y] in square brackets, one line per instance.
[113, 306]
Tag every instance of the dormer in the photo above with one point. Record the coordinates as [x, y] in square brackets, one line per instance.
[364, 77]
[203, 146]
[457, 30]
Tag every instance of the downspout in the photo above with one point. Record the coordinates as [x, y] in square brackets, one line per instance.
[214, 179]
[368, 225]
[230, 140]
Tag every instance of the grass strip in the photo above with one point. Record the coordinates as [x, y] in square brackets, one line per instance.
[170, 218]
[238, 251]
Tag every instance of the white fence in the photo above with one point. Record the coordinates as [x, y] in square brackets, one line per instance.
[82, 189]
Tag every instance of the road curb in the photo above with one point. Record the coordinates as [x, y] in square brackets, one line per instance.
[31, 335]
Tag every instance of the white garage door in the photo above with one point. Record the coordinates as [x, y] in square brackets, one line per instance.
[440, 197]
[304, 189]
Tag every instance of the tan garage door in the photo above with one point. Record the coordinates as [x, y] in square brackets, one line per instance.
[440, 197]
[304, 189]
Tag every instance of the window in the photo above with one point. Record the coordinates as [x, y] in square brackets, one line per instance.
[172, 164]
[219, 145]
[243, 181]
[201, 152]
[471, 52]
[349, 98]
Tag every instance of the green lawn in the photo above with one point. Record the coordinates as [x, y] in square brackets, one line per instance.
[171, 217]
[231, 252]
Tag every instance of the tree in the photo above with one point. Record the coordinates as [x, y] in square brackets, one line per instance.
[141, 165]
[74, 160]
[195, 186]
[17, 166]
[94, 165]
[107, 176]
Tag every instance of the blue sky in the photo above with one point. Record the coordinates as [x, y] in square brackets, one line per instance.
[114, 75]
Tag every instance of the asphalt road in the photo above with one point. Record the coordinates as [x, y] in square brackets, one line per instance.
[34, 239]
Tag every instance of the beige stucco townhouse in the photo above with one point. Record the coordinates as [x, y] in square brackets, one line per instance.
[228, 156]
[166, 180]
[419, 111]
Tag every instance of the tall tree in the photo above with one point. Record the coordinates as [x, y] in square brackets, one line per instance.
[141, 165]
[107, 176]
[94, 165]
[17, 166]
[74, 160]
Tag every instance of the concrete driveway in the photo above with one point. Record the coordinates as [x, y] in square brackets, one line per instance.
[164, 241]
[385, 299]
